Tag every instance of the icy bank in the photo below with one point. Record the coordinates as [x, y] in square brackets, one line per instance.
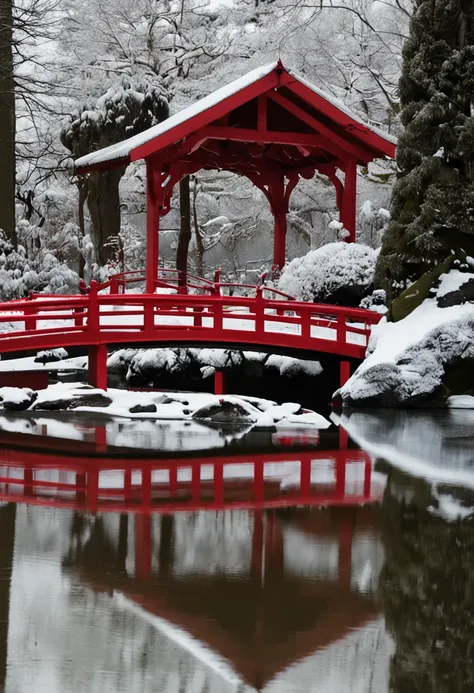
[425, 357]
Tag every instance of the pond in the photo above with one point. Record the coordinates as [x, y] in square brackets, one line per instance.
[349, 567]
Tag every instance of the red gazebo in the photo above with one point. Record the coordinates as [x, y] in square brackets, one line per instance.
[271, 126]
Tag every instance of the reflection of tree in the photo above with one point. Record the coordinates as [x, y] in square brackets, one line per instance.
[427, 588]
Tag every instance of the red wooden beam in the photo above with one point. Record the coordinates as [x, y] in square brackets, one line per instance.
[273, 80]
[378, 145]
[262, 113]
[264, 137]
[335, 143]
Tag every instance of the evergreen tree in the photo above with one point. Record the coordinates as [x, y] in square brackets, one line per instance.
[433, 200]
[126, 109]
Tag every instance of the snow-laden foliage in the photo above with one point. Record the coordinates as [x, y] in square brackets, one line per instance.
[433, 201]
[335, 273]
[18, 276]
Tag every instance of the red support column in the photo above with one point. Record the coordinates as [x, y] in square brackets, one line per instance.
[349, 200]
[219, 382]
[344, 372]
[97, 368]
[279, 209]
[152, 225]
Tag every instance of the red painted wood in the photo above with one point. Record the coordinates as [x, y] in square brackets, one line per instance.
[204, 118]
[345, 372]
[219, 382]
[36, 380]
[152, 227]
[97, 368]
[257, 312]
[349, 200]
[356, 130]
[265, 137]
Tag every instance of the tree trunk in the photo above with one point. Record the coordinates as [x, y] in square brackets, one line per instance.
[104, 208]
[82, 185]
[199, 243]
[184, 237]
[7, 122]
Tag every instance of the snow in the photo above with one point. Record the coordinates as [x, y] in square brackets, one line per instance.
[333, 266]
[450, 509]
[452, 281]
[123, 149]
[169, 406]
[28, 363]
[406, 357]
[15, 395]
[461, 402]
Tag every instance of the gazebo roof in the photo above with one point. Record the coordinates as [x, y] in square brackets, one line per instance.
[273, 113]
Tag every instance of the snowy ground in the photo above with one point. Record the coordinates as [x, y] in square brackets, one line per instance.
[406, 359]
[163, 406]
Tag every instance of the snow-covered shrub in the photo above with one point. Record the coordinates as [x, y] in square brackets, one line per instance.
[377, 301]
[18, 276]
[339, 273]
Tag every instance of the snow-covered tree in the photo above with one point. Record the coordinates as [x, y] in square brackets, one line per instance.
[126, 109]
[433, 200]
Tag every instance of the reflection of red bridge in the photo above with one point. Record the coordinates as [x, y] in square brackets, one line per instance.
[266, 320]
[167, 485]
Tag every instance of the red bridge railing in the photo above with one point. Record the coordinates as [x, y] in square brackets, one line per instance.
[99, 319]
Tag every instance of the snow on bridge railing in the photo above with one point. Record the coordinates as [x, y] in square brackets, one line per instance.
[98, 318]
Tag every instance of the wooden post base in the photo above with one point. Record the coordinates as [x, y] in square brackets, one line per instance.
[97, 370]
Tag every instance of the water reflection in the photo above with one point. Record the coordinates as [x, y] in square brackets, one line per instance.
[332, 568]
[234, 602]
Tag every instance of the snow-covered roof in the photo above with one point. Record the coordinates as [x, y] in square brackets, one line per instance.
[122, 151]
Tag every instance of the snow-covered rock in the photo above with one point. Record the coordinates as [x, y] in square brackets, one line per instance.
[338, 273]
[426, 355]
[16, 398]
[146, 365]
[175, 406]
[51, 355]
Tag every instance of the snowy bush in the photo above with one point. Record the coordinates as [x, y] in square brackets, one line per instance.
[46, 273]
[339, 273]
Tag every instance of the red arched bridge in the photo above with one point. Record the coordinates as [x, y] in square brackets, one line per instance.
[187, 311]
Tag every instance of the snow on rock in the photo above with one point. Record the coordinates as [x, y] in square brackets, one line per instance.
[51, 355]
[146, 364]
[335, 273]
[163, 406]
[461, 402]
[16, 398]
[407, 360]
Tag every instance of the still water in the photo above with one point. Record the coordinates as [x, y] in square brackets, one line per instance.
[294, 590]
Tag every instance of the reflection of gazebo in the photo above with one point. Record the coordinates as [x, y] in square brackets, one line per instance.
[272, 127]
[260, 623]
